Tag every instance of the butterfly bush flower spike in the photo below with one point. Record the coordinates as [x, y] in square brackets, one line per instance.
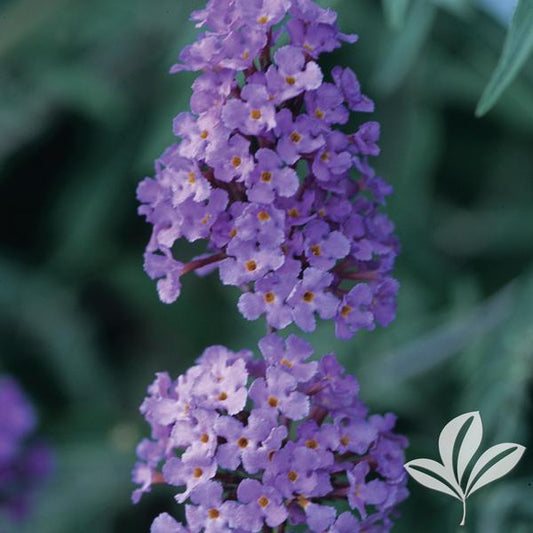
[24, 462]
[291, 211]
[248, 445]
[262, 171]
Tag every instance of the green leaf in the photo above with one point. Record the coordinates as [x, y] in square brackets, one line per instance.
[88, 488]
[395, 11]
[427, 351]
[518, 45]
[459, 8]
[405, 47]
[48, 313]
[506, 354]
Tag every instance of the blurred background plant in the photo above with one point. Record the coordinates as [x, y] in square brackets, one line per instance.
[86, 105]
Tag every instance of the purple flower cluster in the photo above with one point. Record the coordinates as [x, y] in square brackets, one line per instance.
[292, 213]
[261, 444]
[288, 203]
[23, 465]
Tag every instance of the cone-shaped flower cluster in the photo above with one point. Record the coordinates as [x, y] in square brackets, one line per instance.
[287, 201]
[292, 213]
[268, 443]
[23, 465]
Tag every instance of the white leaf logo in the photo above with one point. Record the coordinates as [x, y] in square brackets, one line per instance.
[458, 443]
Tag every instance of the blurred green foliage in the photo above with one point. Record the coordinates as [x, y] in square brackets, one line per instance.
[86, 104]
[516, 50]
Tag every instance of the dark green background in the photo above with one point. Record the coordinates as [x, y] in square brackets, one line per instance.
[86, 104]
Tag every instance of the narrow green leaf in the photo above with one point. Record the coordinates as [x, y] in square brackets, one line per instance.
[405, 47]
[516, 49]
[432, 349]
[459, 8]
[48, 313]
[395, 11]
[86, 492]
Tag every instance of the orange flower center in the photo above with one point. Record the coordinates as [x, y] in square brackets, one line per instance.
[251, 265]
[316, 250]
[345, 311]
[269, 297]
[263, 501]
[266, 177]
[295, 137]
[213, 514]
[255, 114]
[286, 362]
[273, 402]
[303, 501]
[308, 297]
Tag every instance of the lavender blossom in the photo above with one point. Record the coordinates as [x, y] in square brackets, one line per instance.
[274, 443]
[24, 463]
[261, 171]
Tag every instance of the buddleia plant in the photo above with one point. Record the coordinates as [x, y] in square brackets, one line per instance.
[291, 211]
